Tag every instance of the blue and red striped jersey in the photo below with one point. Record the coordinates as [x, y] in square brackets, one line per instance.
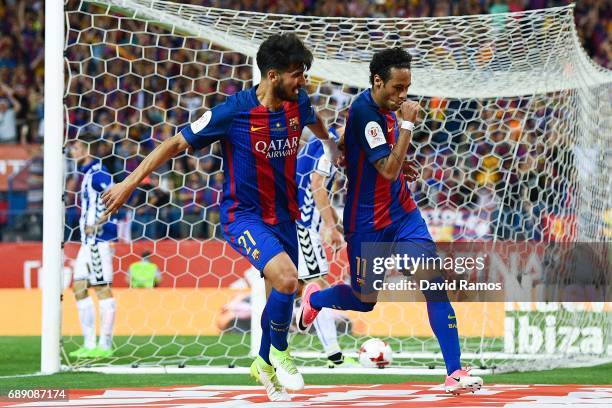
[372, 202]
[259, 153]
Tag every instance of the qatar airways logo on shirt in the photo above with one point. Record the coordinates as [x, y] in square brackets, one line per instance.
[278, 148]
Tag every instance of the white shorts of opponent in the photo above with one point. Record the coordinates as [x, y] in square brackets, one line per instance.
[312, 260]
[95, 263]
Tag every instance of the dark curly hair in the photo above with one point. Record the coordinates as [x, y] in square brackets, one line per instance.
[384, 60]
[282, 52]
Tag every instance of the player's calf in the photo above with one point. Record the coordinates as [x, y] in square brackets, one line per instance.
[341, 297]
[108, 306]
[282, 275]
[87, 318]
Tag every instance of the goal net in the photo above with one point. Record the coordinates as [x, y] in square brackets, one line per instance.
[514, 144]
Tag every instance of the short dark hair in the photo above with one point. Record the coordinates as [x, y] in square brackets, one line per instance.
[283, 51]
[384, 60]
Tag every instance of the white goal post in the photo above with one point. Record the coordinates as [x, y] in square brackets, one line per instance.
[53, 210]
[515, 144]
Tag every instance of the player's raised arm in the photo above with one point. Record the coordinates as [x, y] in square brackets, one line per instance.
[117, 195]
[210, 127]
[390, 166]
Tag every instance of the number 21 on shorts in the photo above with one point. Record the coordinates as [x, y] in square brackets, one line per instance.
[248, 243]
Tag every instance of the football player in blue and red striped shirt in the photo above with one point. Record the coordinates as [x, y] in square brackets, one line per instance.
[259, 130]
[380, 209]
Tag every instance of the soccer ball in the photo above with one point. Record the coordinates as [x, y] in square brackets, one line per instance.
[375, 353]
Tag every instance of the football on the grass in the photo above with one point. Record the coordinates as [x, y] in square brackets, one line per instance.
[375, 353]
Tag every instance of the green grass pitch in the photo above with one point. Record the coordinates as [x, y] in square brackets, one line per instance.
[21, 359]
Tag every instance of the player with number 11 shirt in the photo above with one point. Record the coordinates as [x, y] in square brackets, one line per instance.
[380, 216]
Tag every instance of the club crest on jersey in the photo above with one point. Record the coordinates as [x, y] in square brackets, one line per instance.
[278, 147]
[293, 123]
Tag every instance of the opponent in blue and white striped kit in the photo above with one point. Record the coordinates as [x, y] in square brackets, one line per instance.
[312, 159]
[95, 258]
[93, 266]
[312, 264]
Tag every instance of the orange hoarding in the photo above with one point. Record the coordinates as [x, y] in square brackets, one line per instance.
[410, 319]
[188, 312]
[139, 311]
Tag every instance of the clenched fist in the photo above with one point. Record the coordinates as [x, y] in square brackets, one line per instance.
[409, 111]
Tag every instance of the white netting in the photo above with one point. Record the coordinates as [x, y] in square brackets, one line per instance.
[514, 144]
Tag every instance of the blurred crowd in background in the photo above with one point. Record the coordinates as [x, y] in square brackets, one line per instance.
[474, 154]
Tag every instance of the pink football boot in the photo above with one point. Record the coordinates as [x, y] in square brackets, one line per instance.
[461, 382]
[306, 314]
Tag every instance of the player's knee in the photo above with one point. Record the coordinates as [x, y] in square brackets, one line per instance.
[282, 274]
[103, 292]
[79, 288]
[287, 284]
[80, 295]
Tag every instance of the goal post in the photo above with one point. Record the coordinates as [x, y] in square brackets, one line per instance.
[53, 188]
[513, 145]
